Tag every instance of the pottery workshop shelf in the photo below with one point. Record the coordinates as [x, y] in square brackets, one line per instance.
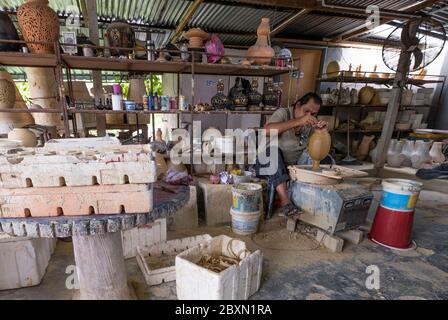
[116, 64]
[27, 59]
[383, 81]
[224, 112]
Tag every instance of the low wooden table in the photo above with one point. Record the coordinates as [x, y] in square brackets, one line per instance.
[97, 240]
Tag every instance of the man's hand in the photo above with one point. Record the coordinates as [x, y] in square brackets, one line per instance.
[321, 125]
[306, 120]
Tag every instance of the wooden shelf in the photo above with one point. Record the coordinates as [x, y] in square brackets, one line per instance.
[224, 112]
[359, 106]
[116, 64]
[27, 59]
[31, 110]
[367, 131]
[382, 81]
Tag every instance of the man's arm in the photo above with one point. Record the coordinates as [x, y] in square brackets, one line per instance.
[283, 126]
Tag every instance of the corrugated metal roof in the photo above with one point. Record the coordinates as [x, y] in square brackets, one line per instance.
[213, 16]
[235, 25]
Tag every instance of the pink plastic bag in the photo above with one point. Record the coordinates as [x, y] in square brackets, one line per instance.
[215, 48]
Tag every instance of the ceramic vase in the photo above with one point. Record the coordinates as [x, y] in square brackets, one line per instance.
[8, 32]
[219, 100]
[25, 136]
[238, 97]
[270, 97]
[261, 52]
[7, 91]
[407, 150]
[120, 35]
[38, 22]
[436, 153]
[318, 146]
[420, 154]
[255, 97]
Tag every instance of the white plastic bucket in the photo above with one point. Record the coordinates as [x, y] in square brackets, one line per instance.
[246, 198]
[245, 224]
[400, 194]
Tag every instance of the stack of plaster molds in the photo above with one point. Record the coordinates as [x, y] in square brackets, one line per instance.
[45, 182]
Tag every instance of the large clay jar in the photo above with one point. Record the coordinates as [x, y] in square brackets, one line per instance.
[120, 35]
[318, 146]
[27, 137]
[261, 52]
[436, 153]
[38, 22]
[7, 91]
[43, 92]
[8, 32]
[364, 147]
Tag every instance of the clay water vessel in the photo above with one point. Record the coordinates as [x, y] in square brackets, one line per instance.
[261, 52]
[318, 146]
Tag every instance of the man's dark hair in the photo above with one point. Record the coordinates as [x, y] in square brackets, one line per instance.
[306, 98]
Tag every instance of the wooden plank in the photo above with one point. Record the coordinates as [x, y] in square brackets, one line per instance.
[183, 22]
[27, 59]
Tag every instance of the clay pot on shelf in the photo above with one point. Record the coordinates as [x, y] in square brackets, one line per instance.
[38, 22]
[333, 69]
[319, 146]
[25, 136]
[420, 154]
[261, 52]
[7, 91]
[8, 32]
[255, 97]
[219, 100]
[120, 34]
[196, 37]
[366, 95]
[436, 153]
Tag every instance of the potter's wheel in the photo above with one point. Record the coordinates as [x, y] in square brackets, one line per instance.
[326, 175]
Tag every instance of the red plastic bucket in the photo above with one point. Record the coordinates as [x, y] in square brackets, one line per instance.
[392, 228]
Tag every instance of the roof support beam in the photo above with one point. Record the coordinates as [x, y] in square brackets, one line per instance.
[368, 25]
[289, 21]
[183, 22]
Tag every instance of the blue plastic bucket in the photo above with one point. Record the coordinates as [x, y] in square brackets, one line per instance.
[400, 194]
[244, 224]
[246, 198]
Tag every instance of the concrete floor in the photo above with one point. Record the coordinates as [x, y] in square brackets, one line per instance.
[295, 269]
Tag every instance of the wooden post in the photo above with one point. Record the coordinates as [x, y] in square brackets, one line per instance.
[100, 267]
[92, 19]
[395, 99]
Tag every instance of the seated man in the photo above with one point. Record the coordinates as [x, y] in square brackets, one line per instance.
[293, 126]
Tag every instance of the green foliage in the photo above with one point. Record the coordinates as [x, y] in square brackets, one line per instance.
[157, 83]
[24, 91]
